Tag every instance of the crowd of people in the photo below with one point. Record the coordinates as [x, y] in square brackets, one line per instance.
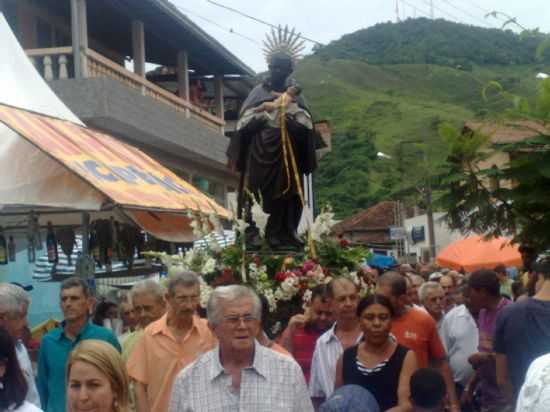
[425, 339]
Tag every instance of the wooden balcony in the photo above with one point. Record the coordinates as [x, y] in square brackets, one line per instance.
[57, 64]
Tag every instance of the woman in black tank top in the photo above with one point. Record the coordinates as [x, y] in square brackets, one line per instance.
[378, 364]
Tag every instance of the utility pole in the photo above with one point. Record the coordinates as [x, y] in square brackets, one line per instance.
[397, 19]
[427, 192]
[430, 218]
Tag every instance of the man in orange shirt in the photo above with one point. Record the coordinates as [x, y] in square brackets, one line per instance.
[415, 329]
[169, 344]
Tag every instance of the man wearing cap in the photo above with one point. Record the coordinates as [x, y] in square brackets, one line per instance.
[523, 333]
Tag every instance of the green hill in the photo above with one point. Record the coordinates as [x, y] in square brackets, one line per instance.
[376, 107]
[438, 42]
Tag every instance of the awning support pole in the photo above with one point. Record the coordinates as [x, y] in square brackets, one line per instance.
[85, 233]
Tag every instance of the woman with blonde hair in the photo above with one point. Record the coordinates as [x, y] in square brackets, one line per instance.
[96, 378]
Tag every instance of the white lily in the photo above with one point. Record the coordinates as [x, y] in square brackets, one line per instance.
[259, 216]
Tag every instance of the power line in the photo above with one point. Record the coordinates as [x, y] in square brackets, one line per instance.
[473, 3]
[256, 19]
[423, 12]
[398, 19]
[484, 22]
[228, 29]
[432, 7]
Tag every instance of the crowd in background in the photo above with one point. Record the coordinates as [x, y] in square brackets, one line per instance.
[424, 339]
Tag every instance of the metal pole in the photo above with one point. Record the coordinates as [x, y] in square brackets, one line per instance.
[85, 234]
[430, 217]
[429, 211]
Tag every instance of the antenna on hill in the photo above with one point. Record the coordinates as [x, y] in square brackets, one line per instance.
[432, 9]
[397, 19]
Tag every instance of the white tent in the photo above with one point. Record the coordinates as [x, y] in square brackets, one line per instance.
[21, 84]
[22, 87]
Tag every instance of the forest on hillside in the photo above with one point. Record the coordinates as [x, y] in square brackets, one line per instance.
[440, 42]
[391, 84]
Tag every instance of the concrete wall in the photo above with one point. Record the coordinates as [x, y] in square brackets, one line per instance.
[107, 103]
[443, 235]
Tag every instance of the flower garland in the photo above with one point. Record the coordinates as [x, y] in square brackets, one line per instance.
[285, 281]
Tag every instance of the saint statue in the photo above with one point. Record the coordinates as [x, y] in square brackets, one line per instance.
[274, 146]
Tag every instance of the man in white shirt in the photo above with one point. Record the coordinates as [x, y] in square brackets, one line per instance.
[432, 296]
[460, 336]
[239, 374]
[14, 305]
[346, 332]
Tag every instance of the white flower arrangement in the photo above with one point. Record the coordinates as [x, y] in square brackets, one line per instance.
[240, 226]
[276, 328]
[206, 290]
[270, 297]
[323, 224]
[195, 225]
[306, 299]
[209, 266]
[259, 216]
[288, 289]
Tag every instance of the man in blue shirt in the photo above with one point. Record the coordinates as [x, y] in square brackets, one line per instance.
[76, 304]
[523, 333]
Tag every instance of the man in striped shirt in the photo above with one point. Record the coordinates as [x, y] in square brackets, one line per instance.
[344, 297]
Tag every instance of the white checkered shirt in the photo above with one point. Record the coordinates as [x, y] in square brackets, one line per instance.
[274, 383]
[328, 349]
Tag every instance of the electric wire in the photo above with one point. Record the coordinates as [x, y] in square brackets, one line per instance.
[423, 12]
[228, 29]
[256, 19]
[467, 13]
[444, 12]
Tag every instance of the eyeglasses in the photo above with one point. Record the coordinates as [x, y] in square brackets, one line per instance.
[236, 320]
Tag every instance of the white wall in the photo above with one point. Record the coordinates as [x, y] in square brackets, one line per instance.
[443, 235]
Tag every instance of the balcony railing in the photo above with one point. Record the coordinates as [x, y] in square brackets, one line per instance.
[57, 63]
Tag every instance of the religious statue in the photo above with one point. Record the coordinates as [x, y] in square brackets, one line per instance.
[274, 146]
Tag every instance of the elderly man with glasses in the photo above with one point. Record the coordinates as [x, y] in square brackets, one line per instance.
[169, 344]
[14, 305]
[239, 374]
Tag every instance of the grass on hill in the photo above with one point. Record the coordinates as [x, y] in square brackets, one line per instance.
[375, 107]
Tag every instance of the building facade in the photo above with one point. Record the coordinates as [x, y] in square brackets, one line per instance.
[102, 58]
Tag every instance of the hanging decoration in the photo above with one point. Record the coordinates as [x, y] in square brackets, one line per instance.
[3, 248]
[67, 240]
[12, 250]
[51, 244]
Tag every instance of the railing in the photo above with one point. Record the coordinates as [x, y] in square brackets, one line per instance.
[54, 63]
[57, 63]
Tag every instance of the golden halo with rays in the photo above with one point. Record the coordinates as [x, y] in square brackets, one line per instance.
[283, 41]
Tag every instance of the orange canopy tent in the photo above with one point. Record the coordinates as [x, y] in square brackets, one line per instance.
[475, 253]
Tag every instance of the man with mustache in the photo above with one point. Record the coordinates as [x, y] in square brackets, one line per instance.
[169, 344]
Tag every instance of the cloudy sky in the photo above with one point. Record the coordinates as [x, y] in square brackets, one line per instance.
[327, 20]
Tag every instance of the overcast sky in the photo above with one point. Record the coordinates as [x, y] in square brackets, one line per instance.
[327, 20]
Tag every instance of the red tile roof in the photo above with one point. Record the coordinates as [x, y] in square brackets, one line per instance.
[508, 131]
[376, 219]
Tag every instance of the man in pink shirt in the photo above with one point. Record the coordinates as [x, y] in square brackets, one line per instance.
[169, 344]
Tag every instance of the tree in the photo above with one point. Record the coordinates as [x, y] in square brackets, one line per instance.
[521, 210]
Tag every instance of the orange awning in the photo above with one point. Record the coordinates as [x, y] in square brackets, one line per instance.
[123, 175]
[475, 253]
